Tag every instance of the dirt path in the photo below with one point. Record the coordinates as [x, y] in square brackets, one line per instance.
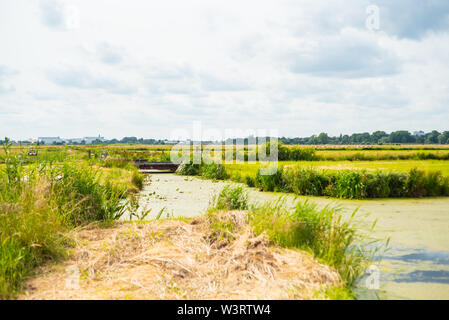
[171, 259]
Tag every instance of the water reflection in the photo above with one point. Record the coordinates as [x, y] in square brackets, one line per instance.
[437, 257]
[422, 266]
[438, 276]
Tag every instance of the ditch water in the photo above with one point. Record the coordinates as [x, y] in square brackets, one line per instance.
[416, 266]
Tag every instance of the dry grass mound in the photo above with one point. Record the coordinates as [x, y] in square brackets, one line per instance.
[172, 259]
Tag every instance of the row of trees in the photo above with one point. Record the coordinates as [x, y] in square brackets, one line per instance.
[377, 137]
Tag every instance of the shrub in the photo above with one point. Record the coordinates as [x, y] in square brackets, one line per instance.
[231, 198]
[214, 171]
[137, 179]
[272, 182]
[188, 169]
[250, 182]
[397, 184]
[349, 185]
[321, 231]
[434, 184]
[377, 185]
[306, 181]
[38, 205]
[117, 163]
[236, 176]
[415, 183]
[81, 198]
[295, 153]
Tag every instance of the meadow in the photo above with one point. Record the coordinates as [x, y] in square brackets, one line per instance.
[251, 169]
[44, 196]
[286, 152]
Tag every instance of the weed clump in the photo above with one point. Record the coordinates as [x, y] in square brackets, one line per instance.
[320, 231]
[214, 171]
[39, 204]
[302, 225]
[188, 169]
[353, 184]
[231, 198]
[137, 179]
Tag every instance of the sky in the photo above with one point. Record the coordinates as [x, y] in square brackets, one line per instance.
[149, 68]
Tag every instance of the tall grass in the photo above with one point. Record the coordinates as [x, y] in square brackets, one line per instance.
[215, 171]
[345, 184]
[355, 184]
[188, 169]
[324, 232]
[231, 198]
[39, 203]
[80, 196]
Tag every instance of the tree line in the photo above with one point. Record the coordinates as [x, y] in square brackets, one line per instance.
[366, 138]
[377, 137]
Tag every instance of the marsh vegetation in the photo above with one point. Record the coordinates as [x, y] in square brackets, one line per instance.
[45, 198]
[40, 202]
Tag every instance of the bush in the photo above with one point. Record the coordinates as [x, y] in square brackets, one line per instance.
[81, 198]
[306, 181]
[415, 183]
[272, 182]
[250, 182]
[353, 184]
[38, 205]
[434, 184]
[377, 185]
[188, 169]
[231, 198]
[349, 185]
[214, 171]
[397, 184]
[137, 179]
[321, 231]
[295, 153]
[117, 163]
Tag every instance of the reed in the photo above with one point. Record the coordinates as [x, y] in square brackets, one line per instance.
[39, 204]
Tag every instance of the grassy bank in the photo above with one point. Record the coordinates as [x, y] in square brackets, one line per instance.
[301, 225]
[349, 184]
[346, 184]
[398, 166]
[41, 202]
[285, 152]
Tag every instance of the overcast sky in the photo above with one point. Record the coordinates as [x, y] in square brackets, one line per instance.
[145, 68]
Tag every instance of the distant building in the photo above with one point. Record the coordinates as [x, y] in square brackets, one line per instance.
[90, 140]
[50, 140]
[86, 140]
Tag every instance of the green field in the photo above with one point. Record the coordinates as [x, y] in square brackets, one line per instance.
[388, 166]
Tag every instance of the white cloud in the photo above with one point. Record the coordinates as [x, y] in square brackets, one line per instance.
[74, 68]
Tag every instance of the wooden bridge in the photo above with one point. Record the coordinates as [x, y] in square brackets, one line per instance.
[144, 165]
